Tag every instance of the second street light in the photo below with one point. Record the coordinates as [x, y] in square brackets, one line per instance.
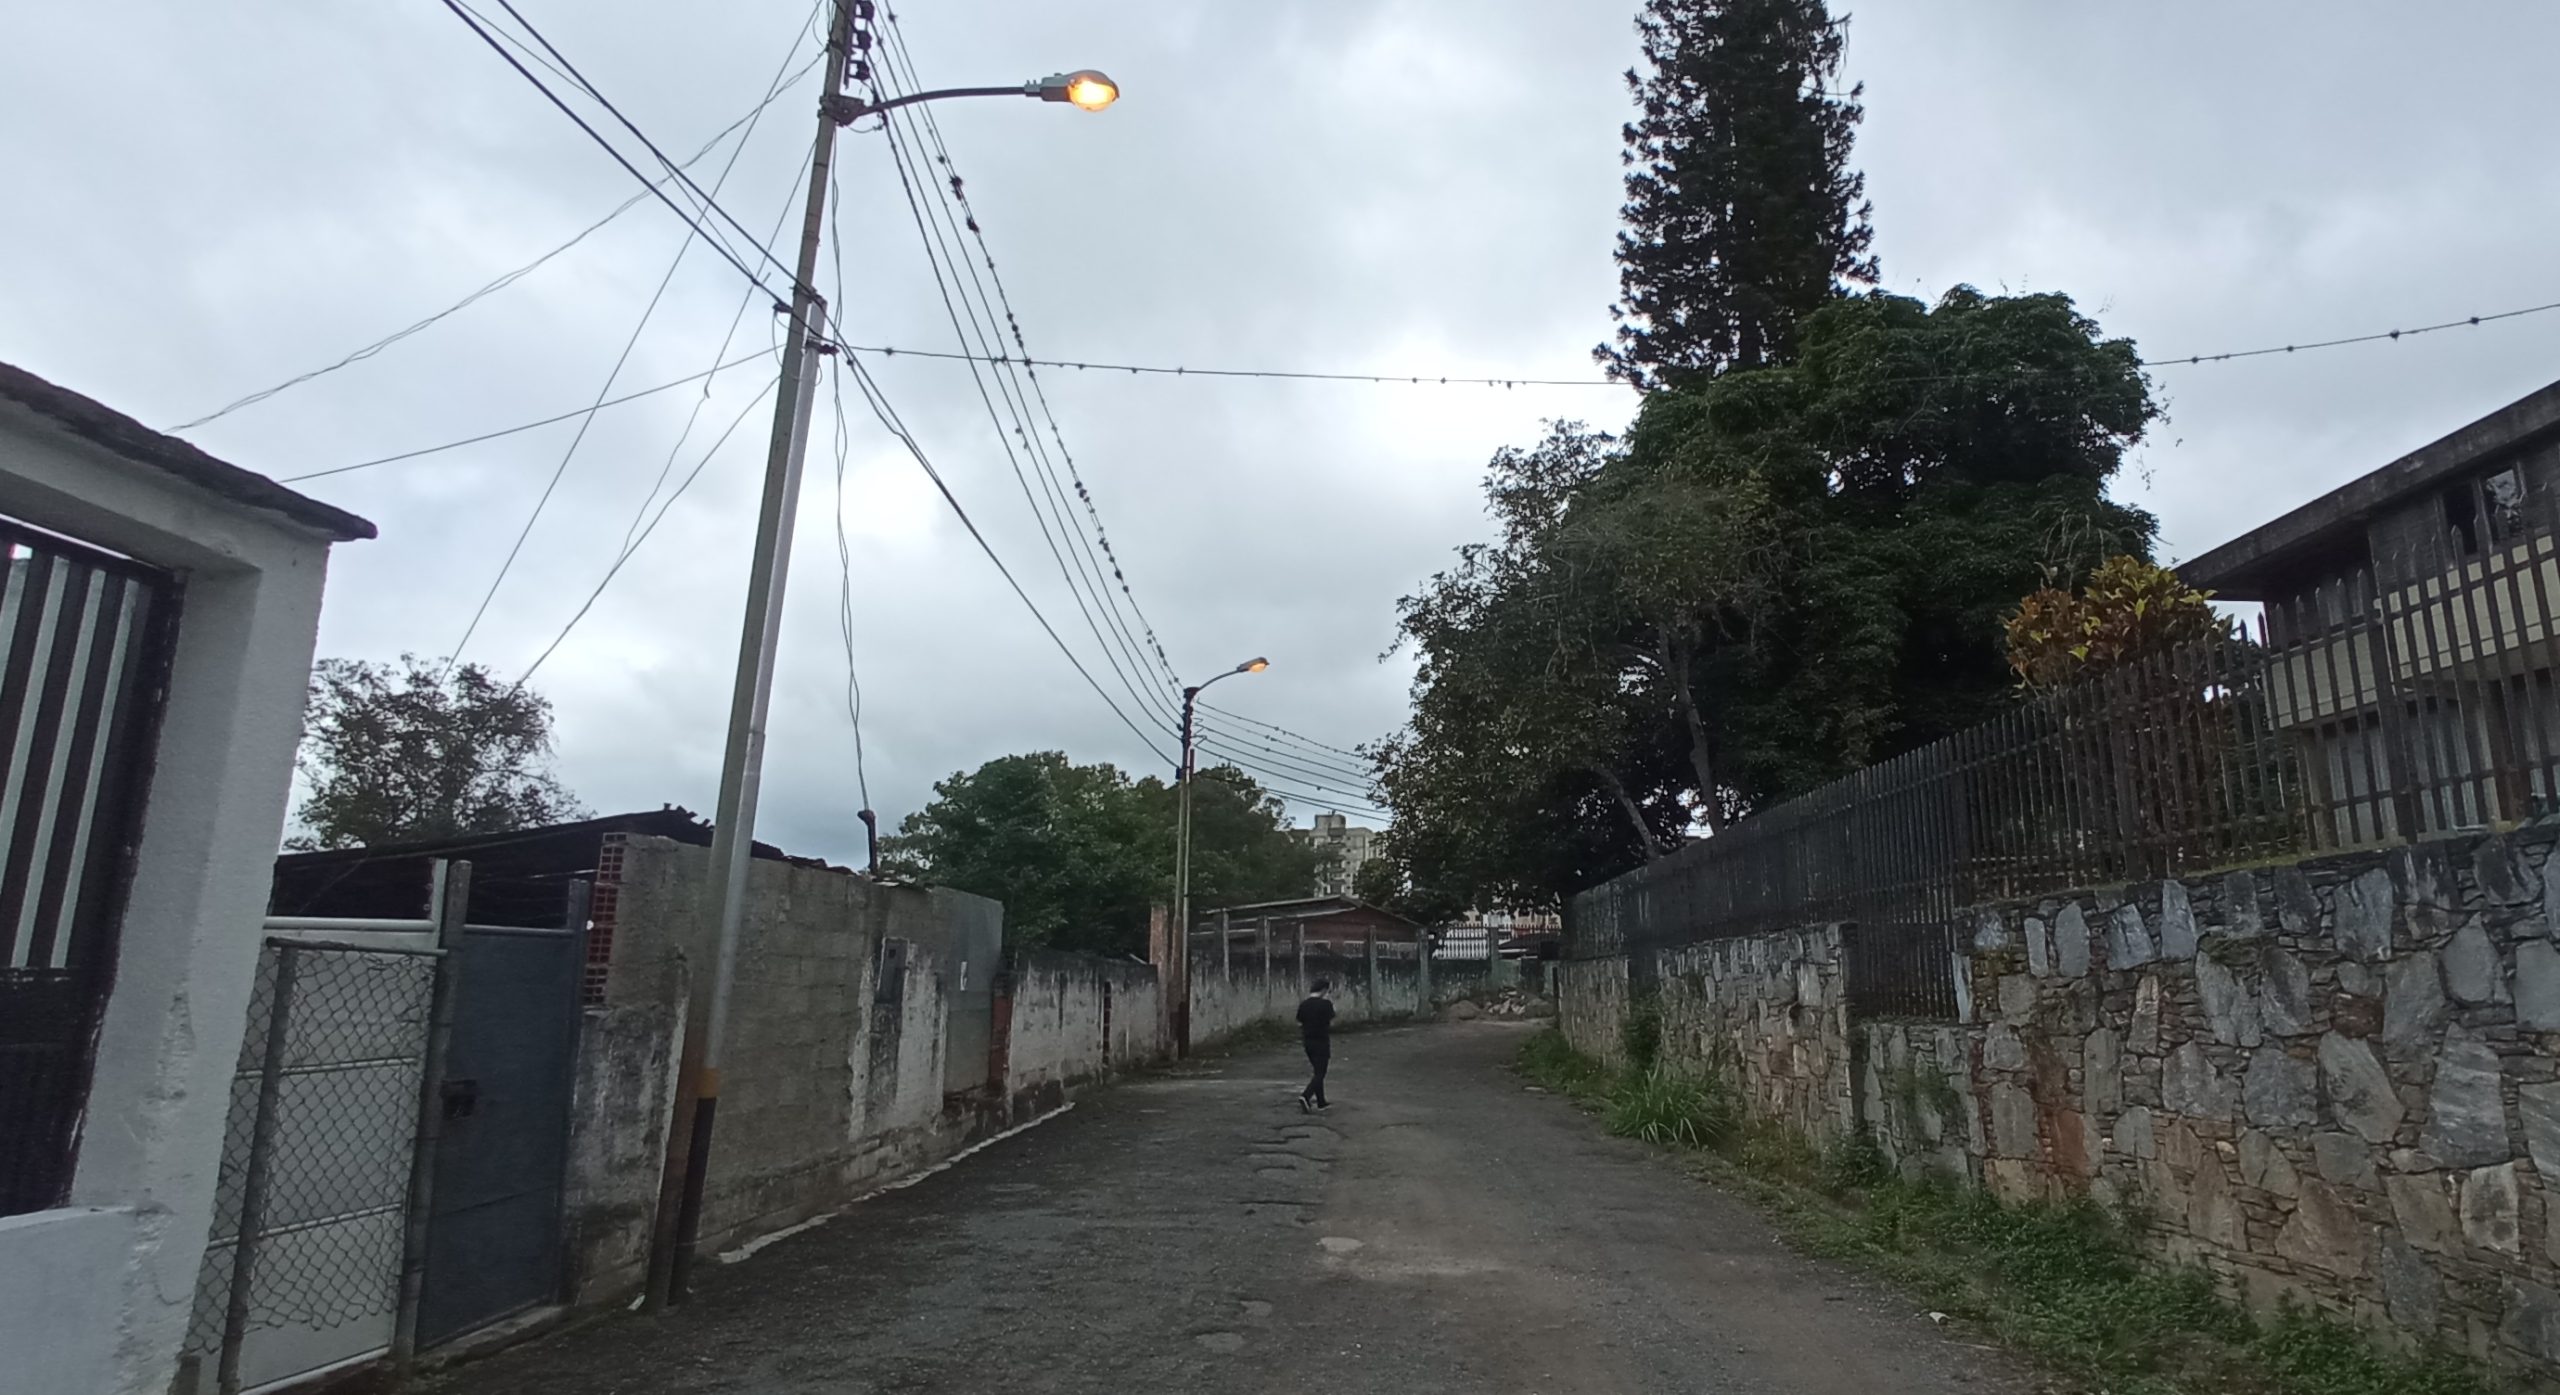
[806, 339]
[1181, 937]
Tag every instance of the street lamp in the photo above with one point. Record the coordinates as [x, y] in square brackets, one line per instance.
[1085, 88]
[1181, 945]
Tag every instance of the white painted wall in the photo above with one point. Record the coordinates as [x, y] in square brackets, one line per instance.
[98, 1294]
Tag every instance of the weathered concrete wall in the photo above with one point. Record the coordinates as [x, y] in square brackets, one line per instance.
[847, 1064]
[1076, 1018]
[834, 1077]
[1227, 1001]
[2337, 1080]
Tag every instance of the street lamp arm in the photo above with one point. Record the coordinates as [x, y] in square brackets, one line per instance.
[848, 109]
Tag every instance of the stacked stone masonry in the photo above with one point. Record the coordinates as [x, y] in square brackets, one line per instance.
[2335, 1081]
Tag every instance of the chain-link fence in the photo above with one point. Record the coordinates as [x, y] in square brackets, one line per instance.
[303, 1272]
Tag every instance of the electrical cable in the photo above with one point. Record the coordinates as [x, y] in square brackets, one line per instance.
[709, 203]
[621, 360]
[608, 147]
[1174, 371]
[527, 426]
[897, 53]
[1284, 731]
[499, 284]
[937, 254]
[844, 546]
[887, 414]
[629, 552]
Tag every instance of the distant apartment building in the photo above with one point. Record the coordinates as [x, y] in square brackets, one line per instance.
[1351, 848]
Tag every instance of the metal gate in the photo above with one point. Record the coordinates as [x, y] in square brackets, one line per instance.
[84, 646]
[494, 1224]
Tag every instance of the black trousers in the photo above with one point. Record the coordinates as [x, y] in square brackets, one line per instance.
[1319, 1055]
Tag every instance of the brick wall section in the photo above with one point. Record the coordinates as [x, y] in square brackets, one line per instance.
[2337, 1080]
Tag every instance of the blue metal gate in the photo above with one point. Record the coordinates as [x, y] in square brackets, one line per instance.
[494, 1244]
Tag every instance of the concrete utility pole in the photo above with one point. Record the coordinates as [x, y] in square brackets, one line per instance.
[742, 762]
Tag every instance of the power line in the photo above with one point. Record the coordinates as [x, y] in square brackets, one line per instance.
[1454, 380]
[844, 546]
[622, 360]
[633, 549]
[1177, 371]
[2394, 334]
[899, 52]
[527, 426]
[888, 416]
[1294, 767]
[1283, 731]
[692, 219]
[709, 203]
[499, 284]
[978, 323]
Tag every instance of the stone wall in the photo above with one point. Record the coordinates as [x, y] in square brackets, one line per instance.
[2334, 1081]
[1591, 1007]
[1770, 1012]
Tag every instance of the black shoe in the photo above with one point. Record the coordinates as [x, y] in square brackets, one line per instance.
[1323, 1105]
[1305, 1106]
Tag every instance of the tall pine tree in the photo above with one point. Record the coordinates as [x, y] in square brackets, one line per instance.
[1742, 213]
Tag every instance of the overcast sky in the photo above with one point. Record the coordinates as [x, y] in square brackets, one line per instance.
[206, 200]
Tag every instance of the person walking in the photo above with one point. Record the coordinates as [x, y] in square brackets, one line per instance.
[1315, 1029]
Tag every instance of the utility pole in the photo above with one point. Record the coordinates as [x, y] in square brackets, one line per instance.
[1181, 986]
[742, 762]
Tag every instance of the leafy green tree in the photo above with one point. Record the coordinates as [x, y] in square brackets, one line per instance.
[417, 750]
[1742, 214]
[1778, 576]
[1078, 854]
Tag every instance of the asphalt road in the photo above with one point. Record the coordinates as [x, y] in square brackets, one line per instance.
[1442, 1229]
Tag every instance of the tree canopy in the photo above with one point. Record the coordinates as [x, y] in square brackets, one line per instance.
[1776, 577]
[1079, 853]
[1742, 214]
[417, 750]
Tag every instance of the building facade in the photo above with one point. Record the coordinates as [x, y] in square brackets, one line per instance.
[156, 633]
[1350, 849]
[2410, 611]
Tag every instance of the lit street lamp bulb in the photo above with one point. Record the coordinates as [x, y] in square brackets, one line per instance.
[1091, 90]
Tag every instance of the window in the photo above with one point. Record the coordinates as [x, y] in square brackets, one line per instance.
[2487, 510]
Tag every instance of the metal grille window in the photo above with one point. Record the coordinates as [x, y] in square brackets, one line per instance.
[83, 651]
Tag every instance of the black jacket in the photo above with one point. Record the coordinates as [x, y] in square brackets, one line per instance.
[1315, 1020]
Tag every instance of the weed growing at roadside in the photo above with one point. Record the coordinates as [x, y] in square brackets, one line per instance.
[1672, 1110]
[2066, 1282]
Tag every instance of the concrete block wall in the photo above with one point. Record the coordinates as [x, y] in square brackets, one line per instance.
[2336, 1081]
[1076, 1018]
[1243, 994]
[831, 1085]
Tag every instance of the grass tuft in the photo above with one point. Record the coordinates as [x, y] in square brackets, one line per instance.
[2065, 1282]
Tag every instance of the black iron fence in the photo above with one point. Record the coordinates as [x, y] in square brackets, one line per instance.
[83, 653]
[2382, 704]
